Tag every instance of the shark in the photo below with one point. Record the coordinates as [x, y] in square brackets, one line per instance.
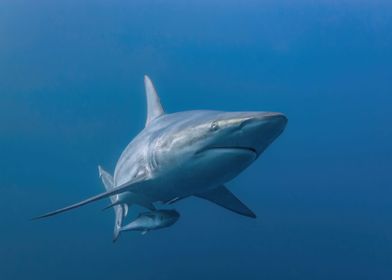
[185, 154]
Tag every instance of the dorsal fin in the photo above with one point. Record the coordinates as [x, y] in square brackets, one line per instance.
[154, 107]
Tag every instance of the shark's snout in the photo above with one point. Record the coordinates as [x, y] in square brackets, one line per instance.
[275, 117]
[277, 120]
[261, 128]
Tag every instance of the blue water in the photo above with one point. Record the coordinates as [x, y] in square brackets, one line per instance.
[71, 97]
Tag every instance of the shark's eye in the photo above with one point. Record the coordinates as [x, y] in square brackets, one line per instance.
[214, 126]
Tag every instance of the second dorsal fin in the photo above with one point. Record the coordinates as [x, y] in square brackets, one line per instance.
[154, 107]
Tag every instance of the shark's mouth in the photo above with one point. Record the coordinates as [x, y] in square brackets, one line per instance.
[246, 149]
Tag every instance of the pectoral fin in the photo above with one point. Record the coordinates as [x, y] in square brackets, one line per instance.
[223, 197]
[123, 188]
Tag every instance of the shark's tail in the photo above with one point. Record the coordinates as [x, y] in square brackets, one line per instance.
[119, 210]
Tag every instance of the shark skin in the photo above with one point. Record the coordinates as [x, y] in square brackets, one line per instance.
[190, 153]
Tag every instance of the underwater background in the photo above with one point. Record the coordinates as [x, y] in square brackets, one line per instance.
[72, 97]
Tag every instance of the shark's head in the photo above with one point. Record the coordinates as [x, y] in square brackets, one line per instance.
[220, 144]
[242, 132]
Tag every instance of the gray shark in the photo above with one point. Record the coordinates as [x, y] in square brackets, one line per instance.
[185, 154]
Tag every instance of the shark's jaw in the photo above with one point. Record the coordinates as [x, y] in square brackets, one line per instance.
[221, 164]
